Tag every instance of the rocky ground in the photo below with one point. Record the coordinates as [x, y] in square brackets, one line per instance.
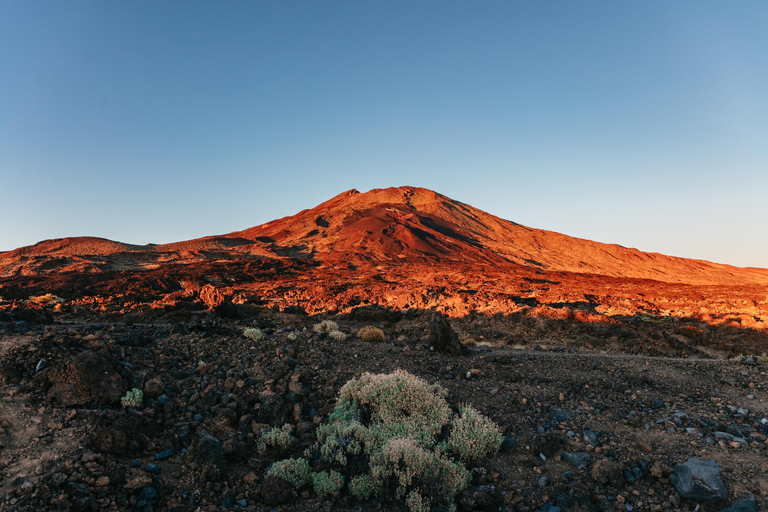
[596, 415]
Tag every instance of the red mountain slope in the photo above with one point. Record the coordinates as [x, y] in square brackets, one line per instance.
[411, 223]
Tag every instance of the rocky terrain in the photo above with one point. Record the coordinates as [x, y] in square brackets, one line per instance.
[144, 377]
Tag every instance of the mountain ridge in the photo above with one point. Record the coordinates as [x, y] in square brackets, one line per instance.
[393, 225]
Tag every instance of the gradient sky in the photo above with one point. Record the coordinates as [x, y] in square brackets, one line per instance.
[638, 123]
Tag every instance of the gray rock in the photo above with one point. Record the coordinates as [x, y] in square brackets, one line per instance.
[747, 505]
[699, 480]
[559, 414]
[543, 481]
[443, 338]
[577, 459]
[592, 438]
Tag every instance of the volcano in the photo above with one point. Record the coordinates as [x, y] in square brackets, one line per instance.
[403, 247]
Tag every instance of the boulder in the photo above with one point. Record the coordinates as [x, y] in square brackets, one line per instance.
[443, 338]
[699, 480]
[89, 377]
[207, 454]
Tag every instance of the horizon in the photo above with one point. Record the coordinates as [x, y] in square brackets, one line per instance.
[637, 125]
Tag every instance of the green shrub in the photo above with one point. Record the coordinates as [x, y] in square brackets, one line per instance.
[371, 334]
[254, 334]
[392, 436]
[473, 436]
[327, 483]
[337, 335]
[406, 466]
[133, 398]
[294, 471]
[279, 438]
[362, 487]
[326, 326]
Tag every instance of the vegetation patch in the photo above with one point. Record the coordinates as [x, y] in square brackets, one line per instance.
[395, 437]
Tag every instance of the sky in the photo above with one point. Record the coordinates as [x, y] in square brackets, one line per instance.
[638, 123]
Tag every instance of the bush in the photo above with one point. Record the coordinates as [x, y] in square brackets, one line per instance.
[406, 466]
[371, 334]
[279, 438]
[133, 398]
[473, 436]
[362, 487]
[394, 428]
[327, 484]
[254, 334]
[294, 471]
[392, 436]
[326, 326]
[337, 335]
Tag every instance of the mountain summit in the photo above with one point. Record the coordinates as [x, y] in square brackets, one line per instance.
[417, 224]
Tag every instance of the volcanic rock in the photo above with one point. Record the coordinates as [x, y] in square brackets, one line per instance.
[207, 455]
[89, 377]
[442, 336]
[699, 480]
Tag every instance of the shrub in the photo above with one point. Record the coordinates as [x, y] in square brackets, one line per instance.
[326, 326]
[294, 471]
[292, 336]
[337, 335]
[133, 398]
[362, 487]
[327, 483]
[279, 438]
[406, 466]
[371, 334]
[254, 334]
[473, 436]
[394, 429]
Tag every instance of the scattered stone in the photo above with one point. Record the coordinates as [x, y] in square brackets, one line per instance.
[699, 480]
[592, 438]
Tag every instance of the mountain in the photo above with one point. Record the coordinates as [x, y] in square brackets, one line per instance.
[417, 224]
[405, 225]
[402, 248]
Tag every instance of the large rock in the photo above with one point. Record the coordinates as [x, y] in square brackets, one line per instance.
[699, 480]
[443, 338]
[89, 377]
[207, 454]
[211, 297]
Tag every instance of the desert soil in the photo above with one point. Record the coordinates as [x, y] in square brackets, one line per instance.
[67, 443]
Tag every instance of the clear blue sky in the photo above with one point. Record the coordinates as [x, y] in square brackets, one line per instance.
[639, 123]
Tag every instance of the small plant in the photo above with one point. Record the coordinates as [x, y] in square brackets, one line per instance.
[327, 483]
[294, 471]
[292, 336]
[337, 335]
[279, 438]
[762, 358]
[326, 326]
[133, 398]
[200, 363]
[473, 436]
[254, 334]
[370, 333]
